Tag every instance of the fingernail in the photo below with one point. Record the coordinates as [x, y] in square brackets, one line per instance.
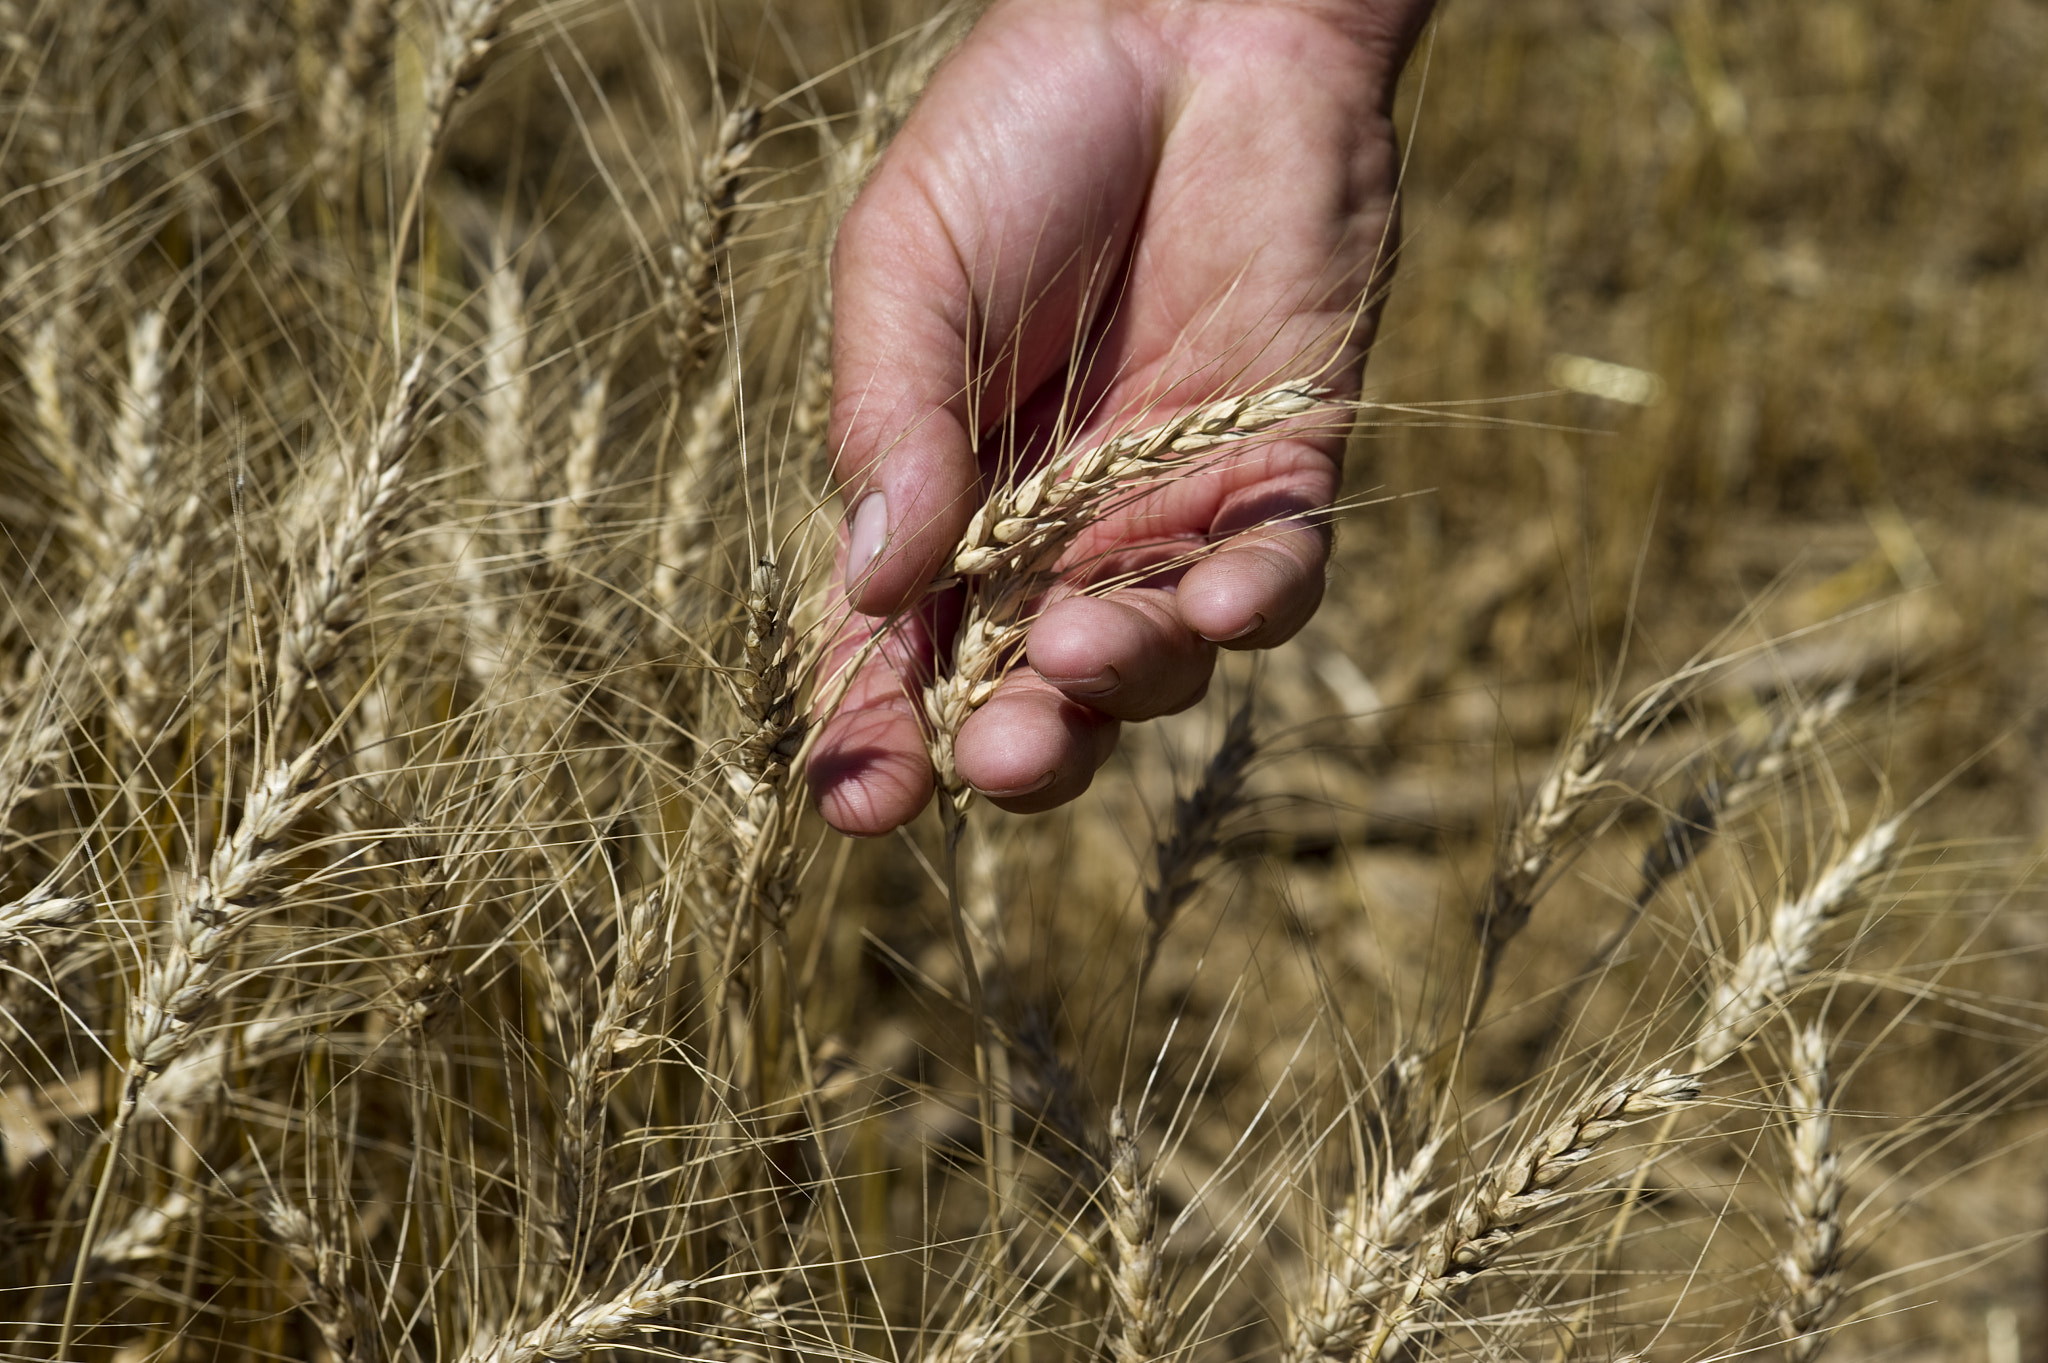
[1101, 684]
[1258, 623]
[866, 530]
[1013, 792]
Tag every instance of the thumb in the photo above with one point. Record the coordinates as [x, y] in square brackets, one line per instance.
[966, 273]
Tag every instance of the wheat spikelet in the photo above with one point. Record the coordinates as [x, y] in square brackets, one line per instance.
[1813, 1264]
[1782, 950]
[40, 914]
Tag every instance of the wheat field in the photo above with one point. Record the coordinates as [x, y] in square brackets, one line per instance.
[1611, 931]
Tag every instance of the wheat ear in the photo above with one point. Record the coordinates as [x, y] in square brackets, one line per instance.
[337, 1311]
[1013, 540]
[1196, 832]
[569, 516]
[615, 1040]
[1813, 1264]
[1137, 1288]
[690, 292]
[508, 466]
[685, 533]
[469, 29]
[580, 1330]
[344, 97]
[1783, 950]
[1368, 1244]
[1522, 1190]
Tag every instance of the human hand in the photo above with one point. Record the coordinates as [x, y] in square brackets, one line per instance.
[1193, 199]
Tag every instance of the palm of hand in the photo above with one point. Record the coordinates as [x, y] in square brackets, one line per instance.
[1112, 211]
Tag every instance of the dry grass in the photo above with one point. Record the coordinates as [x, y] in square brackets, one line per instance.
[1610, 931]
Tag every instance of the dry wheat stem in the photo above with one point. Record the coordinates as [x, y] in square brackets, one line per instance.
[1812, 1265]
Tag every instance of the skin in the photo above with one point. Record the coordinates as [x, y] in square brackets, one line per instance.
[1119, 209]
